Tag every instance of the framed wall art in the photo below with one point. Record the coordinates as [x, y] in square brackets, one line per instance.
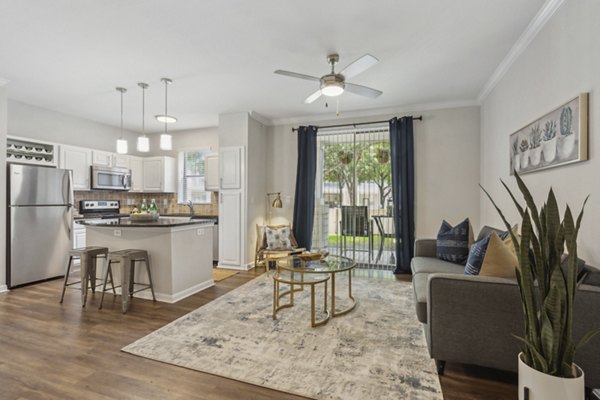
[560, 137]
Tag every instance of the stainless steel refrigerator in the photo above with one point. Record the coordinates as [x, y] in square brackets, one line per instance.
[40, 206]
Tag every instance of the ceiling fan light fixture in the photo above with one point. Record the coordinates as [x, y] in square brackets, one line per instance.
[332, 90]
[167, 119]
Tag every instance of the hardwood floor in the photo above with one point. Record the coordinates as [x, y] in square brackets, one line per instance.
[62, 351]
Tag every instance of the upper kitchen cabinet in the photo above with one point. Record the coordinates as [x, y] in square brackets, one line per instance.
[230, 167]
[160, 174]
[136, 165]
[211, 172]
[77, 159]
[109, 159]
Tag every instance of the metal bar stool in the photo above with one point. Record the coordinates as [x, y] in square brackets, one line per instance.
[127, 259]
[88, 258]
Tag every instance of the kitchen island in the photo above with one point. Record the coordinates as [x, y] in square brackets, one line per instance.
[180, 251]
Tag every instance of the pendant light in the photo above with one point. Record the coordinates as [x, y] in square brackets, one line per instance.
[121, 142]
[143, 143]
[166, 141]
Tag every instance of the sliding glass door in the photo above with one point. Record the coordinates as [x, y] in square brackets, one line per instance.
[353, 196]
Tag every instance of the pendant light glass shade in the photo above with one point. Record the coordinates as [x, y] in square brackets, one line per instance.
[166, 142]
[121, 142]
[122, 146]
[143, 143]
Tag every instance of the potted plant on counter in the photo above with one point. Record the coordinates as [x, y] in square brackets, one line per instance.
[546, 364]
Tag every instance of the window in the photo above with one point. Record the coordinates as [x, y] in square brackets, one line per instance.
[191, 177]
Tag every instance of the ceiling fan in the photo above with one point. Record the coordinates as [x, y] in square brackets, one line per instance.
[333, 84]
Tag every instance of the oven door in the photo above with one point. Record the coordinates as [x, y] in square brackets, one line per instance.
[106, 178]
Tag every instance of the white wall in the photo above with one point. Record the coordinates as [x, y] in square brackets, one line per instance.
[3, 107]
[204, 138]
[42, 124]
[562, 61]
[446, 166]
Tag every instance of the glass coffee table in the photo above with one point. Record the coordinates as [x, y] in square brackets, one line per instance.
[331, 265]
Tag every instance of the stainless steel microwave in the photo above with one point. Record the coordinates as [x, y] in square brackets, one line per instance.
[110, 178]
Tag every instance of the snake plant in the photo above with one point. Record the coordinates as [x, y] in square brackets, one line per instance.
[547, 290]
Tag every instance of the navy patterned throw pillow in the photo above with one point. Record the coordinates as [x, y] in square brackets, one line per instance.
[453, 242]
[476, 256]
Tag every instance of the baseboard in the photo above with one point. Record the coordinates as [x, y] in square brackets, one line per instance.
[3, 288]
[172, 298]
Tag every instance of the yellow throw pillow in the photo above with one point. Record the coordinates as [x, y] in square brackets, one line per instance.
[500, 259]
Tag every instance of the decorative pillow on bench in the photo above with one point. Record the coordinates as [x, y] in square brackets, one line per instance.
[453, 242]
[278, 238]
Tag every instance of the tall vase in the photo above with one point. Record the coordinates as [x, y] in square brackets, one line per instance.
[540, 386]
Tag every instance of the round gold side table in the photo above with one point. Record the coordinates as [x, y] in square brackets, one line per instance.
[293, 278]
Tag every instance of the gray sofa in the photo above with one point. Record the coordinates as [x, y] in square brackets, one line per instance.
[471, 319]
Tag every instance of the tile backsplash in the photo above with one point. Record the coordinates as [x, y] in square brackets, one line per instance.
[166, 202]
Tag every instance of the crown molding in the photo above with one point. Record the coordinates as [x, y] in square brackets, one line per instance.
[534, 27]
[260, 118]
[372, 112]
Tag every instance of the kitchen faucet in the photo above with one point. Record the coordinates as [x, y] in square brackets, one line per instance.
[191, 206]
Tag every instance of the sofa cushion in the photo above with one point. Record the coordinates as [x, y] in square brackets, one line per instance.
[500, 258]
[427, 265]
[486, 231]
[453, 242]
[476, 256]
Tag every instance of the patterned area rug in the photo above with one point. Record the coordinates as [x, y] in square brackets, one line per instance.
[219, 274]
[378, 351]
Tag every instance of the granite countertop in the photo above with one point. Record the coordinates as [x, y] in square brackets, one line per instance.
[163, 222]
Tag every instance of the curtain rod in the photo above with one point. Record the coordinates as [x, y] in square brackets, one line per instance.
[419, 118]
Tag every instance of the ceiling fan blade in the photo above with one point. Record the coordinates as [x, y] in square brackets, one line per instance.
[363, 90]
[358, 66]
[313, 97]
[297, 75]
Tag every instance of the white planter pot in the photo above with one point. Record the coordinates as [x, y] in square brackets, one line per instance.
[525, 159]
[547, 387]
[535, 156]
[549, 150]
[566, 146]
[516, 162]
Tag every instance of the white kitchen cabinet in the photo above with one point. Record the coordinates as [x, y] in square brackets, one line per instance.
[136, 164]
[121, 160]
[211, 172]
[230, 228]
[104, 158]
[77, 159]
[230, 167]
[160, 174]
[108, 159]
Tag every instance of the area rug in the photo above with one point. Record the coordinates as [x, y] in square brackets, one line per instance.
[220, 274]
[378, 351]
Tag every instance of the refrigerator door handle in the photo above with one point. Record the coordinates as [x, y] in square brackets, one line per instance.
[68, 190]
[68, 218]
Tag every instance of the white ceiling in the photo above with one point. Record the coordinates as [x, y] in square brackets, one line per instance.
[69, 55]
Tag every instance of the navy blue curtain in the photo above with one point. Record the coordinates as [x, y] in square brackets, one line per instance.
[304, 200]
[403, 190]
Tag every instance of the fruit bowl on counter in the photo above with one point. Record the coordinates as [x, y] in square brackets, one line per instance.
[144, 217]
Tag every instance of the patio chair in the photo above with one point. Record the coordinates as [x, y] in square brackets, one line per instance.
[355, 222]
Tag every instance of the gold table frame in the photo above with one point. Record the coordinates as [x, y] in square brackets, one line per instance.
[350, 265]
[277, 295]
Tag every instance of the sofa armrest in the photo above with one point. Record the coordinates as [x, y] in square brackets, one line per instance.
[471, 320]
[425, 248]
